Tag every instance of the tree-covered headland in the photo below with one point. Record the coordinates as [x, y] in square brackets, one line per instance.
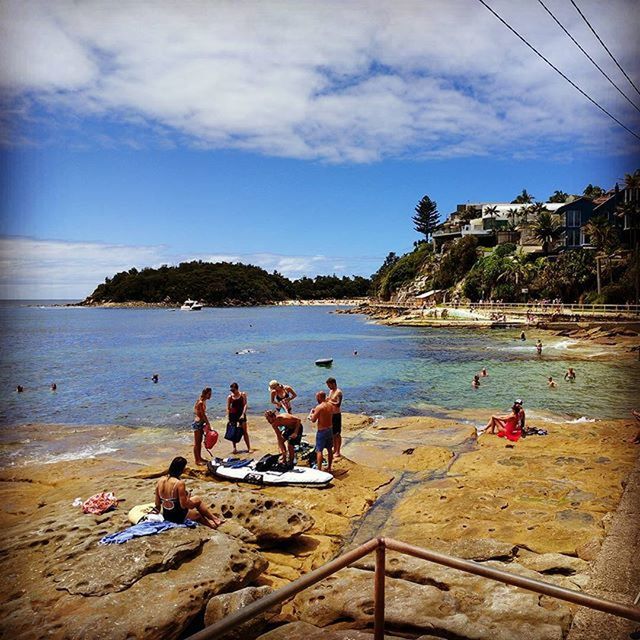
[221, 284]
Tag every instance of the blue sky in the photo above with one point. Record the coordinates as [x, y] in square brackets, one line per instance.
[299, 139]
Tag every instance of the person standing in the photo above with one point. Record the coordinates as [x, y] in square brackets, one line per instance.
[282, 395]
[322, 415]
[539, 347]
[570, 374]
[237, 412]
[200, 422]
[335, 399]
[291, 434]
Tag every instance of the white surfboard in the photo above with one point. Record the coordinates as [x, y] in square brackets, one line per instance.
[303, 476]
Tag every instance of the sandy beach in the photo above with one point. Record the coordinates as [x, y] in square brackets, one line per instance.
[540, 507]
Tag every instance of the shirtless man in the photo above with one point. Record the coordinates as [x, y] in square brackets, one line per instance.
[323, 414]
[551, 383]
[292, 433]
[570, 375]
[335, 399]
[200, 422]
[539, 347]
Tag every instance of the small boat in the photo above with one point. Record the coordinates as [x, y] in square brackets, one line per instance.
[324, 362]
[191, 305]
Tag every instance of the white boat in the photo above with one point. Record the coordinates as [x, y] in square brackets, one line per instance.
[324, 362]
[191, 305]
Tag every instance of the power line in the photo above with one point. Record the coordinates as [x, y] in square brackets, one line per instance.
[571, 82]
[597, 66]
[605, 47]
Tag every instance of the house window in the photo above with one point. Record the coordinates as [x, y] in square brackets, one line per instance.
[573, 218]
[573, 237]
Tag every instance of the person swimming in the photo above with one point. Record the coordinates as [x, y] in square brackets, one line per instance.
[550, 383]
[570, 375]
[476, 381]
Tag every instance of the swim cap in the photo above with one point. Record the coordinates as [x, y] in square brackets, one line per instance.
[273, 384]
[518, 401]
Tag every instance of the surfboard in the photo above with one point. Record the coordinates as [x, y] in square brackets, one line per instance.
[140, 511]
[238, 470]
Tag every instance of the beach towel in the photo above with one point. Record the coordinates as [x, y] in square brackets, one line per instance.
[100, 503]
[147, 528]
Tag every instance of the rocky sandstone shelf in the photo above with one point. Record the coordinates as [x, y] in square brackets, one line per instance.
[541, 508]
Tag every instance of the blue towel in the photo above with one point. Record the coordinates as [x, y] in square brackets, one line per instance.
[143, 529]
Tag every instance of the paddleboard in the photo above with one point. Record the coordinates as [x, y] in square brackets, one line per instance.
[230, 469]
[140, 511]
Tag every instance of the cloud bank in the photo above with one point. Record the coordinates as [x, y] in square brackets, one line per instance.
[330, 81]
[52, 269]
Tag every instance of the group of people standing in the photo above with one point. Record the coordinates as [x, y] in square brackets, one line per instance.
[326, 415]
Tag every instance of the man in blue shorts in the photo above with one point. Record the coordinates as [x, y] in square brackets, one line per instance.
[322, 415]
[335, 399]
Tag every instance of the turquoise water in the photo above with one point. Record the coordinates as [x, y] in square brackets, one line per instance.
[102, 361]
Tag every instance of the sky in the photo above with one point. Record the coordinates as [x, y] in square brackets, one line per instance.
[297, 136]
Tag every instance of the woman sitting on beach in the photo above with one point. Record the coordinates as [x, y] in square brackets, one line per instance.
[282, 395]
[508, 426]
[176, 503]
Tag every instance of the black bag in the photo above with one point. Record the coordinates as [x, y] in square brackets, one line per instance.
[268, 462]
[233, 433]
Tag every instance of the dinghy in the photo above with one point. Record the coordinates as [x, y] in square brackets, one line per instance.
[324, 362]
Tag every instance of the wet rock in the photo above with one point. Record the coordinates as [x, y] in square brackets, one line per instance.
[223, 605]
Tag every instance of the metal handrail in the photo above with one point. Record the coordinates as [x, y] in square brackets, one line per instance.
[547, 307]
[379, 545]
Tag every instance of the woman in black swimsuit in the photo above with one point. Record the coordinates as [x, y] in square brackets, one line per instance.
[176, 504]
[237, 412]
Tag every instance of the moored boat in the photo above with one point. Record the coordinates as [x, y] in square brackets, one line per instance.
[191, 305]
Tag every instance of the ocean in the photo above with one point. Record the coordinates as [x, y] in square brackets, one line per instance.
[102, 361]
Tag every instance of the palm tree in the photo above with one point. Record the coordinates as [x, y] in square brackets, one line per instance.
[558, 196]
[491, 213]
[603, 235]
[523, 198]
[516, 267]
[632, 180]
[512, 216]
[546, 229]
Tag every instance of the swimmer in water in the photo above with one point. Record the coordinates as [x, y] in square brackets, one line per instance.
[550, 383]
[570, 375]
[539, 347]
[484, 373]
[476, 381]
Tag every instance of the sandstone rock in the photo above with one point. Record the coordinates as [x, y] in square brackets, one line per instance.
[269, 519]
[589, 549]
[306, 631]
[452, 602]
[553, 563]
[223, 605]
[104, 569]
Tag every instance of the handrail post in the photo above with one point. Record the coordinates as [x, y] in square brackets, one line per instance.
[378, 592]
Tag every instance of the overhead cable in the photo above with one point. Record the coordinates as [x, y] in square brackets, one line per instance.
[605, 46]
[571, 82]
[597, 66]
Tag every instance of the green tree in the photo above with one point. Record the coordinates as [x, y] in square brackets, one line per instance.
[558, 196]
[427, 216]
[512, 215]
[517, 269]
[546, 229]
[602, 234]
[632, 180]
[523, 198]
[593, 191]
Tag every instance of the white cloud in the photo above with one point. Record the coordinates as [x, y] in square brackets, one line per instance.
[47, 269]
[334, 81]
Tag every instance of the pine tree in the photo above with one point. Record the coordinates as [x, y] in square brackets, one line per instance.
[427, 216]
